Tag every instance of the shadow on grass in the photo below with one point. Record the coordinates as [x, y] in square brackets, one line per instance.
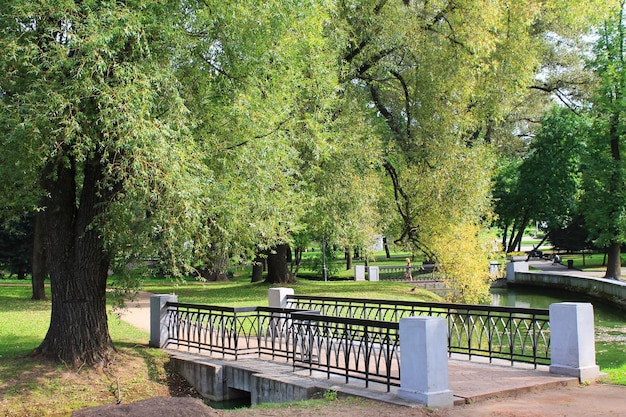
[160, 371]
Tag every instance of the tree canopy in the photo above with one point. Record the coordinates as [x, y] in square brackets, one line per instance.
[188, 133]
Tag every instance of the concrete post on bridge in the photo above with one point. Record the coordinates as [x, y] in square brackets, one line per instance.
[572, 341]
[158, 315]
[424, 361]
[359, 272]
[513, 267]
[277, 297]
[373, 273]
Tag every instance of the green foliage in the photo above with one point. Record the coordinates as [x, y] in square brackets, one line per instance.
[546, 185]
[16, 246]
[604, 201]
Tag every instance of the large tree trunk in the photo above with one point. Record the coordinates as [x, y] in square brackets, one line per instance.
[217, 270]
[78, 333]
[348, 253]
[386, 246]
[39, 258]
[277, 268]
[614, 264]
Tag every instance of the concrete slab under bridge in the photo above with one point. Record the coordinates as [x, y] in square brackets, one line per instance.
[269, 381]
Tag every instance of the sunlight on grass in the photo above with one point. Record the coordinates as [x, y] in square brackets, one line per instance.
[239, 293]
[611, 357]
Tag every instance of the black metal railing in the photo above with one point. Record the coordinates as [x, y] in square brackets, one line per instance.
[232, 331]
[353, 348]
[425, 272]
[355, 338]
[514, 334]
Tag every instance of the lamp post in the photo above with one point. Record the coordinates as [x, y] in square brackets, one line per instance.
[324, 270]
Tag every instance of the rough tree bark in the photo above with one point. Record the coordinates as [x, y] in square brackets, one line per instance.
[277, 268]
[39, 258]
[257, 268]
[78, 265]
[348, 253]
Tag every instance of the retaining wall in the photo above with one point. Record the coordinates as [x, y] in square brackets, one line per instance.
[602, 289]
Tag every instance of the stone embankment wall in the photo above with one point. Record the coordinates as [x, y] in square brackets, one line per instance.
[607, 290]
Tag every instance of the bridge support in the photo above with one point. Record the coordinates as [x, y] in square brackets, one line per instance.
[158, 314]
[424, 364]
[572, 341]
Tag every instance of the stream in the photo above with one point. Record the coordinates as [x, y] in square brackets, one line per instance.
[610, 322]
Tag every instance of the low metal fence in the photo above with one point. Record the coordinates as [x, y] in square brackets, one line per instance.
[361, 349]
[426, 272]
[231, 331]
[514, 334]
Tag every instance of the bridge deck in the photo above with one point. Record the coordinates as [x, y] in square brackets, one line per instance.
[470, 381]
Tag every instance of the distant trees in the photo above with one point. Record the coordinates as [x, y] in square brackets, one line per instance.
[546, 185]
[573, 178]
[16, 247]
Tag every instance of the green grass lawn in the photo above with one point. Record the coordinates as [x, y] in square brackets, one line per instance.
[241, 292]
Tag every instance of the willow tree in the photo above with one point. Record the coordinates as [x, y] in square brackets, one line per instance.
[442, 76]
[274, 127]
[93, 133]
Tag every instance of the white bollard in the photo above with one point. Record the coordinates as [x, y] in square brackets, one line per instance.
[513, 267]
[278, 297]
[572, 341]
[373, 273]
[359, 272]
[424, 361]
[158, 314]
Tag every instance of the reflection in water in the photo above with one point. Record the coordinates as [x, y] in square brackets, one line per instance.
[543, 297]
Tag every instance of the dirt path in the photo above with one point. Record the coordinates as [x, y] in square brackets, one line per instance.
[586, 401]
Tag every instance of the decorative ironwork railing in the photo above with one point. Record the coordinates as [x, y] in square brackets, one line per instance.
[399, 273]
[514, 334]
[355, 338]
[353, 348]
[230, 331]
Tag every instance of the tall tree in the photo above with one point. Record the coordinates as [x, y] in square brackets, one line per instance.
[440, 76]
[546, 185]
[93, 128]
[605, 187]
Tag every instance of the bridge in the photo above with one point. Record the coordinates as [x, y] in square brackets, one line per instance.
[406, 352]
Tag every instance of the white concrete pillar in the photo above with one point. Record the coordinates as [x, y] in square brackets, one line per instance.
[359, 272]
[278, 297]
[572, 341]
[424, 361]
[373, 273]
[158, 314]
[513, 267]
